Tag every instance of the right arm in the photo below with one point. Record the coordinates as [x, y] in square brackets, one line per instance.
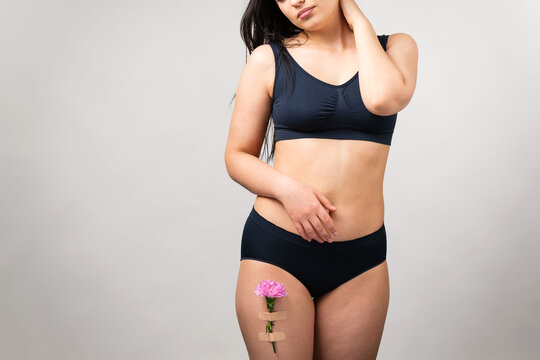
[304, 204]
[250, 117]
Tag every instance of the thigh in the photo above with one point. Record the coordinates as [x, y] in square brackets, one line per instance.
[298, 304]
[349, 320]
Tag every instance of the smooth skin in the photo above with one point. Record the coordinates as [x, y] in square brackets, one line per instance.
[318, 186]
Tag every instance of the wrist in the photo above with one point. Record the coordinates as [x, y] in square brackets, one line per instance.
[282, 185]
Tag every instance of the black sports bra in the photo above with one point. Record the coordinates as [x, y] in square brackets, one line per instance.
[317, 109]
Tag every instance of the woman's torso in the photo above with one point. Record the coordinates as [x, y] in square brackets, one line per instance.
[349, 173]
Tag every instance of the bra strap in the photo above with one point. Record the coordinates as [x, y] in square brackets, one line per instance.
[383, 40]
[275, 49]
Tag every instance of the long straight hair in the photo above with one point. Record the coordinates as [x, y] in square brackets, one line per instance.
[262, 23]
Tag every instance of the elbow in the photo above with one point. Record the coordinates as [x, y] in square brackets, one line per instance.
[229, 167]
[230, 158]
[228, 162]
[388, 102]
[389, 97]
[385, 107]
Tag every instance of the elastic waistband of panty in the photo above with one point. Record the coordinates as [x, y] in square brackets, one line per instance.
[295, 238]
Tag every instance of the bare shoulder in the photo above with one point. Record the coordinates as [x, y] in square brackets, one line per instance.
[402, 49]
[401, 42]
[262, 56]
[261, 65]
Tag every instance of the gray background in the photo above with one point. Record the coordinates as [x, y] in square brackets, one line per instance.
[120, 228]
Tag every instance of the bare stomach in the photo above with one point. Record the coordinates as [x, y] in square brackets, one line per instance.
[349, 173]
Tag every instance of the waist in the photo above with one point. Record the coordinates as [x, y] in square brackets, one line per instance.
[346, 171]
[349, 173]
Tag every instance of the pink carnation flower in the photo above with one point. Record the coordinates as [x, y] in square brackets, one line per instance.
[271, 289]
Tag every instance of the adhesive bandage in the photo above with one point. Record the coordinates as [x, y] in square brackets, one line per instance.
[271, 316]
[273, 336]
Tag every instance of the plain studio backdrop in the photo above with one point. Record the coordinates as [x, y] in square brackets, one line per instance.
[120, 228]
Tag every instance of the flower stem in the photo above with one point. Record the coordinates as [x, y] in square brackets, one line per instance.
[270, 306]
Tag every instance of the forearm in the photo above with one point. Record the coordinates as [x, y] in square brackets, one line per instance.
[255, 175]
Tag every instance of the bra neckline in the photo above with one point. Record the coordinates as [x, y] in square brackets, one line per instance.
[317, 79]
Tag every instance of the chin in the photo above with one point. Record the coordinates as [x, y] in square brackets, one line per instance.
[314, 26]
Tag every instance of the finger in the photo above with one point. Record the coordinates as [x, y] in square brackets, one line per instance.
[321, 230]
[318, 227]
[328, 222]
[312, 234]
[324, 201]
[327, 233]
[301, 231]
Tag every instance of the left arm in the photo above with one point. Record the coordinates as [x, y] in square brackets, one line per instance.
[387, 79]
